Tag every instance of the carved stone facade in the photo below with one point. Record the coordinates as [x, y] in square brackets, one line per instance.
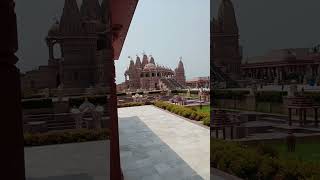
[281, 66]
[147, 75]
[80, 36]
[226, 51]
[278, 66]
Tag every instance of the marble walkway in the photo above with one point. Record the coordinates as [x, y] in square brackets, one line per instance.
[76, 161]
[157, 145]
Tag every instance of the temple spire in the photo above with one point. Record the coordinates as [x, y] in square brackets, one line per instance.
[180, 65]
[91, 9]
[138, 62]
[105, 11]
[226, 18]
[145, 60]
[152, 60]
[70, 22]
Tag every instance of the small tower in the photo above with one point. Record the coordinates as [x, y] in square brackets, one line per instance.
[145, 60]
[134, 76]
[70, 23]
[180, 74]
[138, 62]
[226, 52]
[105, 14]
[78, 48]
[152, 60]
[91, 10]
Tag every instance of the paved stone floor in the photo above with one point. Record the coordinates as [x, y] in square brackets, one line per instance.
[77, 161]
[158, 145]
[214, 177]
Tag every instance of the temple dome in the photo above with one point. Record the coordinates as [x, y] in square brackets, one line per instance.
[150, 66]
[54, 30]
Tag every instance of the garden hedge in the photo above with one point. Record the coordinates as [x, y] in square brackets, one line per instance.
[184, 91]
[185, 112]
[37, 104]
[270, 96]
[61, 137]
[261, 163]
[131, 104]
[228, 94]
[97, 100]
[121, 94]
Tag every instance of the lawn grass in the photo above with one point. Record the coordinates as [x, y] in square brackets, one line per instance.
[304, 151]
[205, 108]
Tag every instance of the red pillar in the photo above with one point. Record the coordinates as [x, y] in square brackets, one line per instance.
[115, 165]
[115, 149]
[11, 133]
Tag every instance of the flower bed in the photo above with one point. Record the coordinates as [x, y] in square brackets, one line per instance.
[185, 112]
[261, 162]
[61, 137]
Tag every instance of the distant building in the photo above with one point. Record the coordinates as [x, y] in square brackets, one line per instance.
[284, 65]
[80, 36]
[147, 75]
[199, 82]
[279, 66]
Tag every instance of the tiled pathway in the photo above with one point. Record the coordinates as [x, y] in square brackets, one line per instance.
[76, 161]
[158, 145]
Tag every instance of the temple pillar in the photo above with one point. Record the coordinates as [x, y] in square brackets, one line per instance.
[50, 46]
[12, 143]
[115, 166]
[290, 116]
[316, 122]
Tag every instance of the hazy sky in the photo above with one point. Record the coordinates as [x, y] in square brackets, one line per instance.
[273, 24]
[167, 29]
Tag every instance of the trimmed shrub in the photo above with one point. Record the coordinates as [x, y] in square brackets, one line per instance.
[206, 121]
[185, 112]
[131, 104]
[101, 100]
[37, 104]
[121, 94]
[258, 163]
[61, 137]
[228, 94]
[270, 96]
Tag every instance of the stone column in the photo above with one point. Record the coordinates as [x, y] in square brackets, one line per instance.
[316, 122]
[290, 116]
[115, 165]
[11, 133]
[50, 46]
